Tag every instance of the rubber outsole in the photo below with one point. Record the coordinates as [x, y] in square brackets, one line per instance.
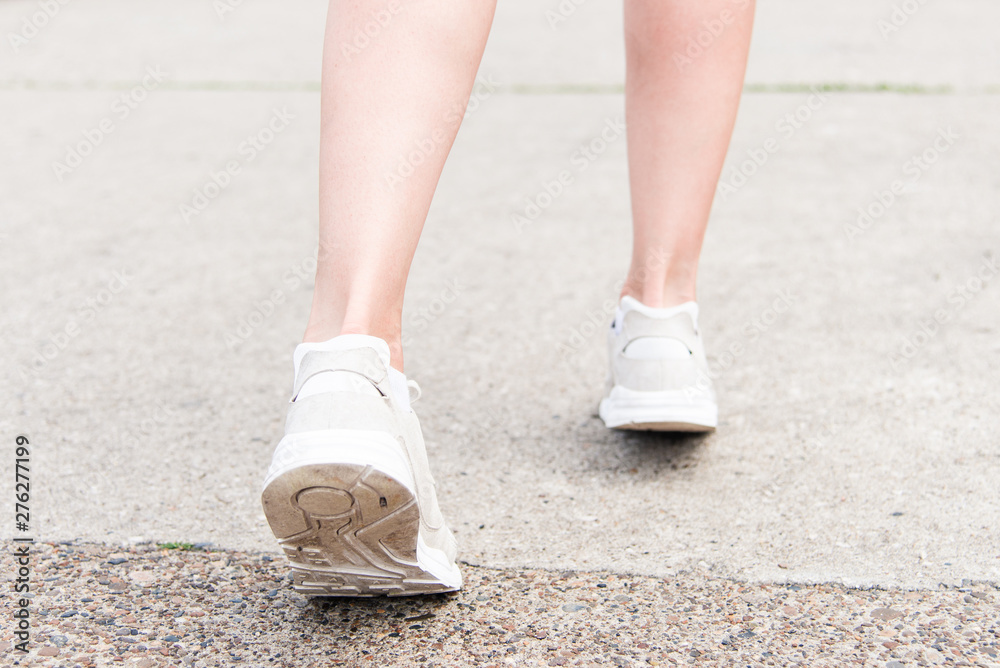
[686, 427]
[353, 530]
[637, 412]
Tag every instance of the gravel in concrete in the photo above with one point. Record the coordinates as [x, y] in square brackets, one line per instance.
[145, 606]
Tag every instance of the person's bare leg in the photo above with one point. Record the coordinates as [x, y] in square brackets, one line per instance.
[680, 110]
[397, 75]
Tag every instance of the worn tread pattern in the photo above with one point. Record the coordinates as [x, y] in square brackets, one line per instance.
[348, 530]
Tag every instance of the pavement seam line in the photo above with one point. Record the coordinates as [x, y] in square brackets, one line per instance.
[510, 89]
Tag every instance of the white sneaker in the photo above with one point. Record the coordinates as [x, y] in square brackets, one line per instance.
[659, 375]
[349, 494]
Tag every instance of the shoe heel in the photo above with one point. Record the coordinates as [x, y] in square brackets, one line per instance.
[348, 530]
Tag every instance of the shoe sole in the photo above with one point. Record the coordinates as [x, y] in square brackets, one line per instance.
[656, 411]
[347, 518]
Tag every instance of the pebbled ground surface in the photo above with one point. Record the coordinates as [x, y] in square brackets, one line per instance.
[146, 606]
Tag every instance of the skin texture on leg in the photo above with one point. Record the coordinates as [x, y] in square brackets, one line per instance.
[681, 106]
[397, 76]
